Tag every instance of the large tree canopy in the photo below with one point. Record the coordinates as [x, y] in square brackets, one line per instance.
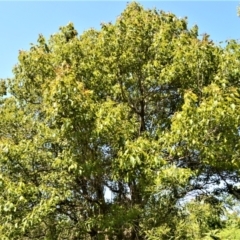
[127, 132]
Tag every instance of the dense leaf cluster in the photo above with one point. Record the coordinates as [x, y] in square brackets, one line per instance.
[127, 132]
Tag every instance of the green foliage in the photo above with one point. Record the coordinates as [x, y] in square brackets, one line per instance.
[143, 110]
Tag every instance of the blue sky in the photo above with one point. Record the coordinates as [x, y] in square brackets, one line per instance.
[22, 22]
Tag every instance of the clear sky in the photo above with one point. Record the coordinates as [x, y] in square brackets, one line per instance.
[22, 22]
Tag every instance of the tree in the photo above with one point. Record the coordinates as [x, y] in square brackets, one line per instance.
[144, 109]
